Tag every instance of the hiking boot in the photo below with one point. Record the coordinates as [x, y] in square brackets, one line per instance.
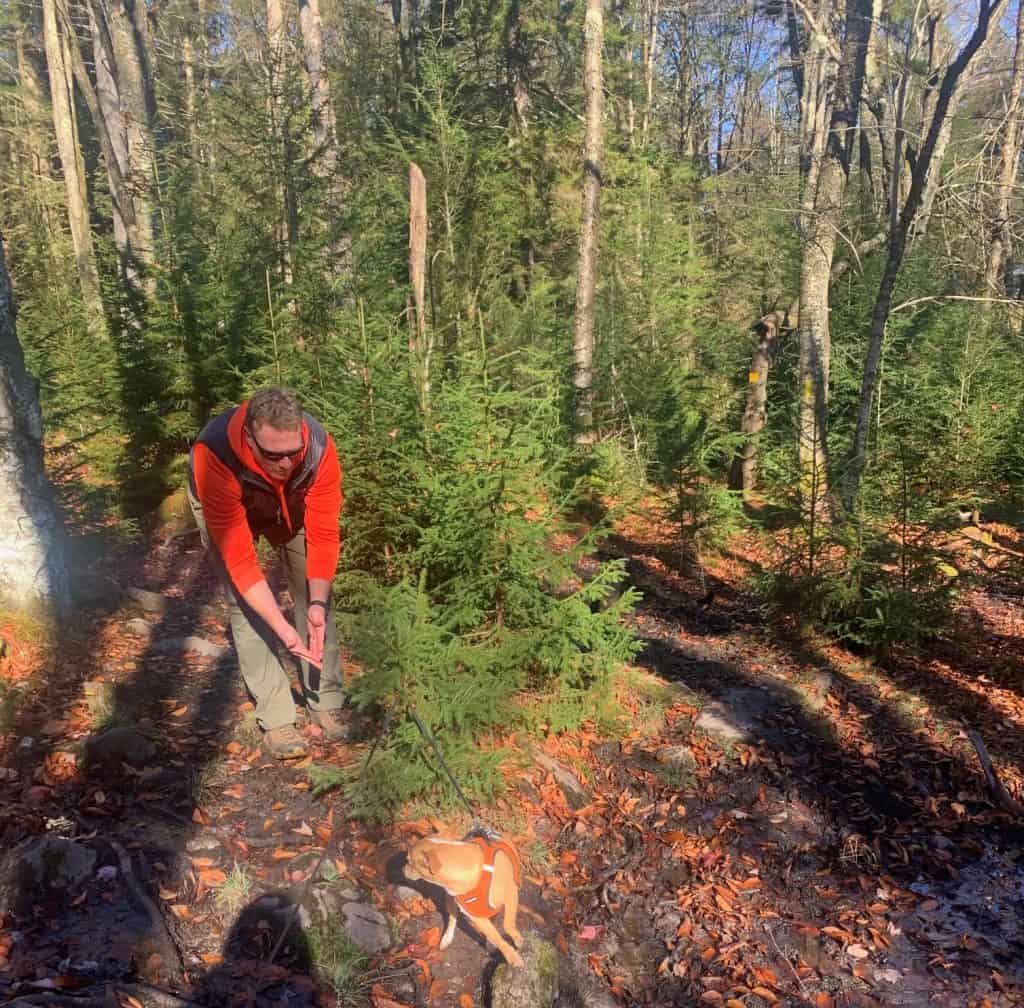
[285, 743]
[333, 727]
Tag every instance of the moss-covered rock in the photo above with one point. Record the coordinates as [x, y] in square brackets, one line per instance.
[175, 510]
[533, 986]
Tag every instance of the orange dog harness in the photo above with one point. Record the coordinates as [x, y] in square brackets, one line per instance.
[476, 902]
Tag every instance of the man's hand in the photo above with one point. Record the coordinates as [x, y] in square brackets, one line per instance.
[293, 642]
[316, 623]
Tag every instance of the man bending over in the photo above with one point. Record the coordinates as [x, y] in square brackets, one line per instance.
[266, 468]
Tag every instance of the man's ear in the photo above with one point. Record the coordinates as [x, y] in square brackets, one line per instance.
[434, 860]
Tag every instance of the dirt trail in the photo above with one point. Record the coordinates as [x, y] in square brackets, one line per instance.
[786, 824]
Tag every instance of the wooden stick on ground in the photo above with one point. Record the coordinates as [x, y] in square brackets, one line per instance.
[996, 790]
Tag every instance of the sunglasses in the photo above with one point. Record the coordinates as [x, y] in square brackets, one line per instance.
[273, 456]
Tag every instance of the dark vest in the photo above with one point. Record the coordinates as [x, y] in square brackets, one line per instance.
[260, 500]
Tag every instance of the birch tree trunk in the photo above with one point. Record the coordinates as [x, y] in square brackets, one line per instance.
[650, 55]
[419, 345]
[122, 109]
[36, 166]
[325, 131]
[828, 173]
[929, 160]
[136, 106]
[34, 577]
[66, 129]
[276, 76]
[586, 275]
[1002, 237]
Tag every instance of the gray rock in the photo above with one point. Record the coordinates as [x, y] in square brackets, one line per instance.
[203, 843]
[815, 690]
[152, 602]
[42, 868]
[738, 716]
[679, 756]
[575, 793]
[608, 752]
[367, 927]
[199, 645]
[307, 862]
[579, 987]
[406, 895]
[325, 901]
[120, 744]
[535, 984]
[715, 720]
[139, 626]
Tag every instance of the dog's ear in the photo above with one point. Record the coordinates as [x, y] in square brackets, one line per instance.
[434, 860]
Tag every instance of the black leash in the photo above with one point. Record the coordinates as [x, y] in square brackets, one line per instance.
[440, 759]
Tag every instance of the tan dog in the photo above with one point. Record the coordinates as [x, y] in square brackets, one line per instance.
[480, 876]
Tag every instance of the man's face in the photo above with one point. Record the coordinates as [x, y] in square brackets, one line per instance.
[277, 451]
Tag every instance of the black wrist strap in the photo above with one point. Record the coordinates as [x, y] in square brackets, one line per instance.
[318, 602]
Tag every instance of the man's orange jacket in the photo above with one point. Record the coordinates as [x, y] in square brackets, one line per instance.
[222, 495]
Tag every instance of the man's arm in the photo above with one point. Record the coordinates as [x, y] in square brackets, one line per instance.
[323, 544]
[221, 500]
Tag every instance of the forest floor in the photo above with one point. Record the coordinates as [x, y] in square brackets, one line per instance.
[784, 823]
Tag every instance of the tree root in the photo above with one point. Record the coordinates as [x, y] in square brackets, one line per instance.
[996, 790]
[152, 911]
[148, 995]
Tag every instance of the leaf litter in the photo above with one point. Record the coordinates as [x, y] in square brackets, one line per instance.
[844, 853]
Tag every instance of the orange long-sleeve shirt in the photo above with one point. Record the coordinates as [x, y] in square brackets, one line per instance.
[220, 494]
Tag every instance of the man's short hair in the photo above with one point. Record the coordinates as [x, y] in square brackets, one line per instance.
[274, 407]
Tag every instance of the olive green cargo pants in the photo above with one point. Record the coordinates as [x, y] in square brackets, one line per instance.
[257, 645]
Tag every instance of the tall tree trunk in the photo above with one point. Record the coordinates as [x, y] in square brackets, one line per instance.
[188, 59]
[325, 131]
[66, 128]
[34, 575]
[419, 345]
[518, 68]
[136, 90]
[650, 55]
[928, 160]
[821, 225]
[122, 111]
[36, 133]
[586, 273]
[1002, 237]
[276, 80]
[743, 475]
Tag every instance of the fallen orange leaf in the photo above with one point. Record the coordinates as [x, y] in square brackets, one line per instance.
[213, 877]
[431, 937]
[465, 1001]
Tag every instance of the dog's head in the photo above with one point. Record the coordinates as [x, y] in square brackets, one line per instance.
[424, 862]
